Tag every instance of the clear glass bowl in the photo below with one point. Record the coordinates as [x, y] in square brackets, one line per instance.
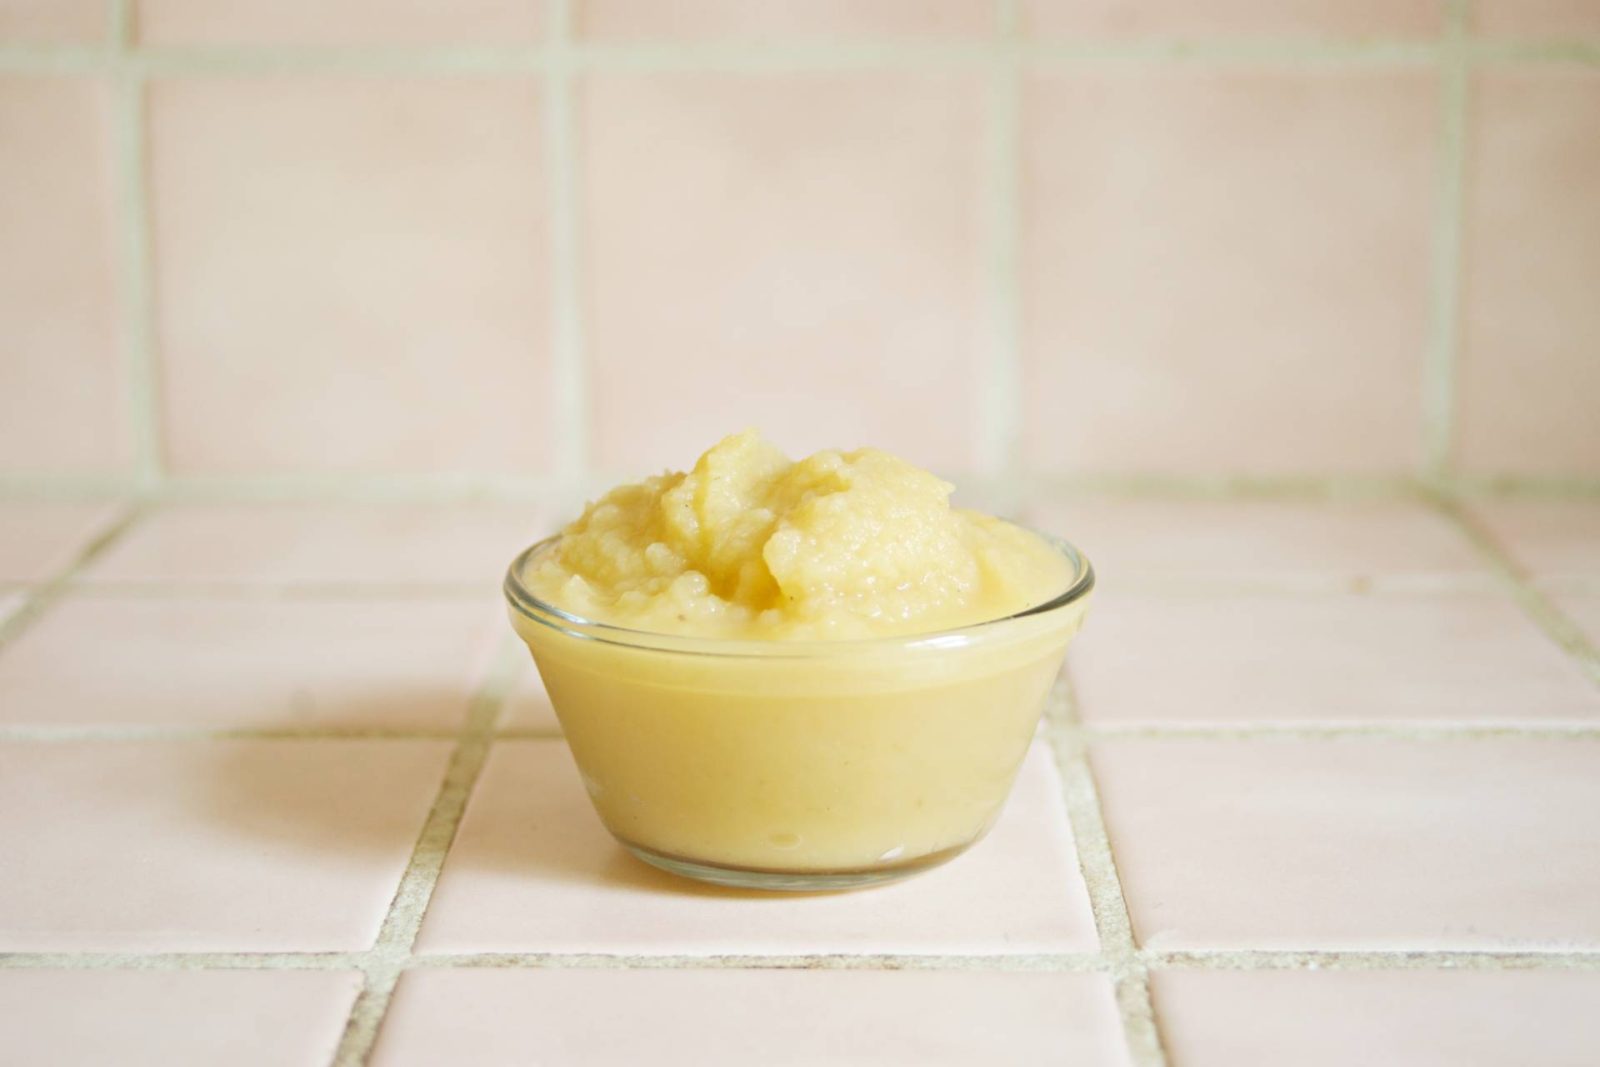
[791, 764]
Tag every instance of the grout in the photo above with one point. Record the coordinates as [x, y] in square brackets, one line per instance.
[41, 596]
[1444, 335]
[1353, 731]
[403, 921]
[1358, 960]
[1551, 620]
[569, 422]
[1112, 921]
[49, 734]
[183, 961]
[1000, 387]
[866, 961]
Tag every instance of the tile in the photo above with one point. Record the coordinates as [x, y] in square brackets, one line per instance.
[739, 1017]
[528, 707]
[1214, 324]
[1389, 658]
[1230, 18]
[807, 243]
[395, 545]
[207, 846]
[10, 601]
[1537, 18]
[249, 663]
[38, 539]
[159, 1018]
[771, 21]
[1583, 609]
[52, 21]
[1357, 843]
[1419, 1018]
[533, 870]
[1531, 244]
[349, 22]
[1553, 540]
[351, 275]
[62, 393]
[1213, 541]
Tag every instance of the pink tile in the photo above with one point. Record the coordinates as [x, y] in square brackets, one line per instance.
[1418, 1018]
[1186, 311]
[1207, 659]
[9, 603]
[1584, 610]
[1551, 539]
[1530, 323]
[351, 275]
[632, 20]
[207, 845]
[62, 394]
[1210, 541]
[1230, 18]
[283, 664]
[320, 544]
[349, 22]
[533, 870]
[528, 707]
[1538, 18]
[808, 244]
[738, 1017]
[40, 539]
[1356, 844]
[160, 1018]
[52, 21]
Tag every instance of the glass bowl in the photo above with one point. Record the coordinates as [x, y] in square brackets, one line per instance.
[792, 764]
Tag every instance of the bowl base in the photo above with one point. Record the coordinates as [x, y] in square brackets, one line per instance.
[793, 881]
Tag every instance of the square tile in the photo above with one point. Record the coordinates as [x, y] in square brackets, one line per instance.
[392, 545]
[807, 243]
[62, 391]
[1584, 610]
[1356, 843]
[349, 22]
[1184, 542]
[249, 663]
[1418, 1018]
[52, 21]
[533, 870]
[528, 707]
[1215, 324]
[776, 22]
[1230, 18]
[1531, 245]
[741, 1017]
[207, 846]
[1553, 540]
[1537, 18]
[351, 275]
[160, 1018]
[39, 539]
[1219, 659]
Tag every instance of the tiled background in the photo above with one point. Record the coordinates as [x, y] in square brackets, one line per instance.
[443, 246]
[312, 313]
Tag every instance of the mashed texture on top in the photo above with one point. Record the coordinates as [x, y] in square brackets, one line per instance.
[751, 545]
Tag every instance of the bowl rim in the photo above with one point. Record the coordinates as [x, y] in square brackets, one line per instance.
[523, 603]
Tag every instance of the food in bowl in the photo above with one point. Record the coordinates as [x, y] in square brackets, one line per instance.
[796, 675]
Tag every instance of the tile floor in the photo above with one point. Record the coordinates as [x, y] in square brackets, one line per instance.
[1321, 785]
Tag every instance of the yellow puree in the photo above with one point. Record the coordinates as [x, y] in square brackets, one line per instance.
[838, 545]
[841, 756]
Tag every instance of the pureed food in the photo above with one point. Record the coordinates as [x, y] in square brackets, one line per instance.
[796, 674]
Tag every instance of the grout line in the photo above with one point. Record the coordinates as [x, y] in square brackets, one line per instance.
[1538, 607]
[52, 733]
[41, 596]
[183, 961]
[800, 961]
[569, 422]
[404, 918]
[1000, 384]
[1355, 731]
[1444, 334]
[130, 131]
[1107, 900]
[1357, 960]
